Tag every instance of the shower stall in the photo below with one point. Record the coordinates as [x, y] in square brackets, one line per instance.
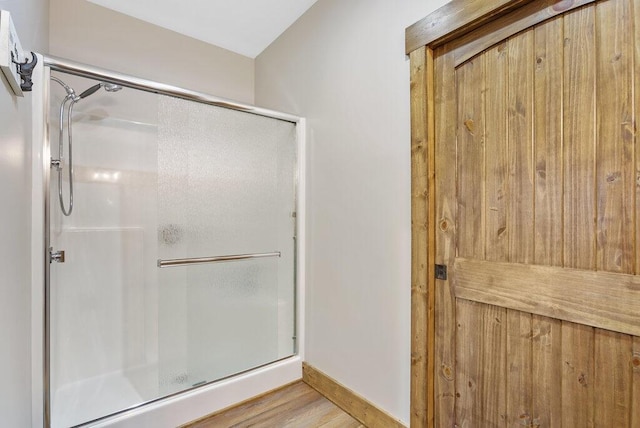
[170, 238]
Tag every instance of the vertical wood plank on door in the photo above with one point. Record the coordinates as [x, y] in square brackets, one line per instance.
[615, 167]
[579, 206]
[481, 347]
[546, 373]
[496, 233]
[520, 219]
[520, 207]
[577, 375]
[470, 133]
[615, 139]
[497, 161]
[613, 352]
[468, 364]
[548, 151]
[579, 139]
[518, 372]
[548, 83]
[635, 397]
[446, 209]
[471, 174]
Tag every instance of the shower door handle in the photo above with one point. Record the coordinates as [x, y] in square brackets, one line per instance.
[216, 259]
[56, 256]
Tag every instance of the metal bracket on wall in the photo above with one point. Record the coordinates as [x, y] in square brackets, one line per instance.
[25, 70]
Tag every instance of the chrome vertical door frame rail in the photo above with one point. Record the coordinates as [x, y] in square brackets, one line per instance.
[87, 71]
[96, 73]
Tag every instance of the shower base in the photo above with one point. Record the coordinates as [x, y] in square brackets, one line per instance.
[98, 397]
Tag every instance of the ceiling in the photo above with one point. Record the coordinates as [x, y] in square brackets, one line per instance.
[246, 27]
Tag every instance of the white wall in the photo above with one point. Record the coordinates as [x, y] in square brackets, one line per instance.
[342, 66]
[85, 32]
[31, 20]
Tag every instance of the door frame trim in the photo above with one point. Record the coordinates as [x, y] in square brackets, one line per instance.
[455, 19]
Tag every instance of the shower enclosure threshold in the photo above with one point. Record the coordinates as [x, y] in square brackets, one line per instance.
[186, 406]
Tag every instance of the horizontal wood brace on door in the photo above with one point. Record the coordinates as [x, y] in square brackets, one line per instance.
[600, 299]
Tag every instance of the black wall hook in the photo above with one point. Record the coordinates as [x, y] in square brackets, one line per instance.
[25, 70]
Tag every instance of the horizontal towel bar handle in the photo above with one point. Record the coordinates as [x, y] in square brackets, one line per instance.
[216, 259]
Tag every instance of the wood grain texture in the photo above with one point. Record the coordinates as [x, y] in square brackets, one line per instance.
[635, 361]
[496, 159]
[546, 371]
[579, 139]
[612, 356]
[446, 213]
[431, 239]
[296, 405]
[577, 375]
[470, 376]
[470, 85]
[357, 406]
[455, 19]
[421, 273]
[615, 135]
[616, 208]
[469, 365]
[615, 168]
[635, 393]
[500, 29]
[600, 299]
[548, 143]
[520, 194]
[493, 398]
[520, 220]
[518, 368]
[482, 349]
[635, 5]
[546, 367]
[579, 130]
[481, 336]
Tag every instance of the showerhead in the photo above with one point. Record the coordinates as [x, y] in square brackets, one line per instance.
[109, 87]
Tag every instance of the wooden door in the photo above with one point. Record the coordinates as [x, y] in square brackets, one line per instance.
[537, 218]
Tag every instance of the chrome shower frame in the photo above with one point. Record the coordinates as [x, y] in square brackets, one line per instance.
[51, 63]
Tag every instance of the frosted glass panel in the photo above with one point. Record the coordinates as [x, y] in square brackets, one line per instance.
[226, 186]
[163, 178]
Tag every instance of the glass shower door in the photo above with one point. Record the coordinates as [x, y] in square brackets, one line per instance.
[163, 181]
[225, 188]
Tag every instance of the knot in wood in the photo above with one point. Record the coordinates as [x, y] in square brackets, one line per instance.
[635, 362]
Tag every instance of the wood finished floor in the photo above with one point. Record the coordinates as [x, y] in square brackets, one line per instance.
[297, 405]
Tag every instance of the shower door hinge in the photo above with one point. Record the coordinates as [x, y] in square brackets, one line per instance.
[441, 272]
[56, 163]
[56, 256]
